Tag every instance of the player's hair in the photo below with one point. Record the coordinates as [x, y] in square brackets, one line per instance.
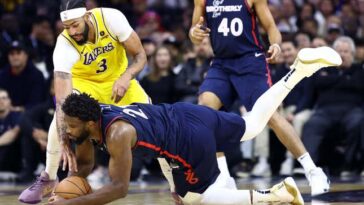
[72, 4]
[82, 106]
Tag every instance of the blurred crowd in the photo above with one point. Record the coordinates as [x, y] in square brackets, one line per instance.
[326, 110]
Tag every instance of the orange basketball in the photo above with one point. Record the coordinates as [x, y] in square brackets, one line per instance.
[72, 187]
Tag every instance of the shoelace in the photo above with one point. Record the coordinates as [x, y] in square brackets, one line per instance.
[37, 183]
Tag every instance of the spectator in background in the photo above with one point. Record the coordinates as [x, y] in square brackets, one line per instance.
[333, 28]
[337, 96]
[192, 74]
[150, 26]
[9, 131]
[303, 40]
[24, 83]
[350, 23]
[310, 26]
[359, 54]
[306, 11]
[35, 125]
[41, 44]
[318, 42]
[159, 83]
[9, 32]
[149, 46]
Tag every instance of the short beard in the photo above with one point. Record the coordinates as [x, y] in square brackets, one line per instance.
[84, 35]
[84, 136]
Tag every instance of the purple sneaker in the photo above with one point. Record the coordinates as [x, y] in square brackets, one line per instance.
[43, 187]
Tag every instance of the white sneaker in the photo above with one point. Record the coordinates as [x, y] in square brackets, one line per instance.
[286, 167]
[318, 180]
[362, 174]
[310, 60]
[287, 192]
[261, 169]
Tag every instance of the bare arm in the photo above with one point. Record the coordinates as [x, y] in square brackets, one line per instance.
[121, 137]
[133, 47]
[267, 22]
[63, 87]
[197, 34]
[9, 136]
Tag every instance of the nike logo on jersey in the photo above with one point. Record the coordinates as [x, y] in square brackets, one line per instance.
[258, 54]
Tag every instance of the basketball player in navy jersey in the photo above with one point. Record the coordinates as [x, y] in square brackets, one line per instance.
[184, 137]
[240, 70]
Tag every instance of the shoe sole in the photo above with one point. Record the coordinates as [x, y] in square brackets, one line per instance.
[293, 189]
[324, 55]
[29, 202]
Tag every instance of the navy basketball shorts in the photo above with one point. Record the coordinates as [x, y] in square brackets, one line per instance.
[245, 78]
[205, 131]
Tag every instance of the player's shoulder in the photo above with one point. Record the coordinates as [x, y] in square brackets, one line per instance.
[110, 11]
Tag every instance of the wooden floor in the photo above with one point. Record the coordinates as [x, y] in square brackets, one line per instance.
[343, 192]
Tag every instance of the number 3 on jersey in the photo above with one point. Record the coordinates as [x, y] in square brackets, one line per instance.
[235, 27]
[102, 65]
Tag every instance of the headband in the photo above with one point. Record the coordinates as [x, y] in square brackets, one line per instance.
[72, 14]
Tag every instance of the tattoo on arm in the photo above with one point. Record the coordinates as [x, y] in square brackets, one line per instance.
[61, 128]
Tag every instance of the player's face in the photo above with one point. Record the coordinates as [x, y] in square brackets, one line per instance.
[76, 129]
[77, 29]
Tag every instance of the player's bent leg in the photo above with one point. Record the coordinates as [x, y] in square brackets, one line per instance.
[210, 100]
[45, 183]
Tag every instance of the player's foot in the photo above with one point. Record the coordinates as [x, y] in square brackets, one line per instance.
[287, 192]
[310, 60]
[42, 187]
[318, 180]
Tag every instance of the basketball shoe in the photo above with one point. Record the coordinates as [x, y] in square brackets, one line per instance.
[310, 60]
[43, 187]
[318, 181]
[287, 192]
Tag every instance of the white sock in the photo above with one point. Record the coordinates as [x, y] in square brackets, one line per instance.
[222, 164]
[306, 162]
[53, 151]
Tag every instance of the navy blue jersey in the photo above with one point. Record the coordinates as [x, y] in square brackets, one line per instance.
[234, 31]
[187, 135]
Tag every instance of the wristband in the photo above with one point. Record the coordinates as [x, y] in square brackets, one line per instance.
[277, 46]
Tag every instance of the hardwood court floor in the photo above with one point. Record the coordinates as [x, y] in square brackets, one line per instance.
[343, 192]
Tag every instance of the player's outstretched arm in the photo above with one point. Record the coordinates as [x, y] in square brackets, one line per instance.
[267, 21]
[63, 87]
[198, 31]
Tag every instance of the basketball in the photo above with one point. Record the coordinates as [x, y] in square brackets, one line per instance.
[73, 187]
